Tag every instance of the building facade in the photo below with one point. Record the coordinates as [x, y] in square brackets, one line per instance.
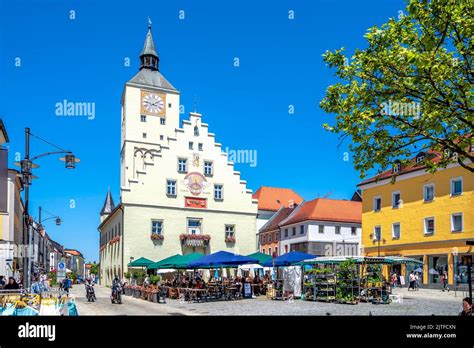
[426, 216]
[270, 200]
[11, 215]
[323, 227]
[269, 234]
[179, 193]
[74, 261]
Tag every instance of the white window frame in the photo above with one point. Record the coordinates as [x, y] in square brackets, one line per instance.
[375, 206]
[200, 147]
[168, 185]
[191, 145]
[286, 233]
[452, 222]
[337, 230]
[184, 165]
[397, 206]
[425, 220]
[162, 121]
[221, 198]
[399, 230]
[211, 166]
[321, 230]
[200, 229]
[424, 192]
[142, 118]
[354, 231]
[375, 233]
[153, 228]
[229, 233]
[462, 186]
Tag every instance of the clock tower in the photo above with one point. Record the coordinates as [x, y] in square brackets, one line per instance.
[150, 116]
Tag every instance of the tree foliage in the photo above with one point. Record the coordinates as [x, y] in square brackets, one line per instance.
[410, 90]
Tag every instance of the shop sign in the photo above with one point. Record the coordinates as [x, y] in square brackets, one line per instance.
[194, 202]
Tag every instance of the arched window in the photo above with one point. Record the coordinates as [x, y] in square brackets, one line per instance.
[196, 131]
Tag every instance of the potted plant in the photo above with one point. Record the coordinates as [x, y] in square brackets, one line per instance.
[157, 237]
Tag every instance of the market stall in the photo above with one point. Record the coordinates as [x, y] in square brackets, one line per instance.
[286, 282]
[349, 279]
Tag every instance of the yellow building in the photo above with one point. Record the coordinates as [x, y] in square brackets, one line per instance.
[428, 217]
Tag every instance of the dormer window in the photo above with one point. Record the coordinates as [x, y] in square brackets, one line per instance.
[420, 158]
[397, 167]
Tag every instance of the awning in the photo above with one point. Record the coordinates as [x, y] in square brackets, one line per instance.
[141, 262]
[221, 259]
[165, 263]
[388, 260]
[261, 257]
[176, 261]
[288, 259]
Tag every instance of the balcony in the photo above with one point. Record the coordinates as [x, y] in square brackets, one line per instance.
[194, 240]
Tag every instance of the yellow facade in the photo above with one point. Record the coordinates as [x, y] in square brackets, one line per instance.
[443, 244]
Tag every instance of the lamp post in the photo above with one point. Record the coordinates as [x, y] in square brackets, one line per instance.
[27, 177]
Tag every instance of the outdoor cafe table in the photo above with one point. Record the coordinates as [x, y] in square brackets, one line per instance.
[195, 294]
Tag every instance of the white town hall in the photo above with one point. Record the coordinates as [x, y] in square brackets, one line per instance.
[179, 193]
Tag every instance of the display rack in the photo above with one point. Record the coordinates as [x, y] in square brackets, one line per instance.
[325, 287]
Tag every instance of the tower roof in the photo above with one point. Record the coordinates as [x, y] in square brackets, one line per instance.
[149, 45]
[108, 204]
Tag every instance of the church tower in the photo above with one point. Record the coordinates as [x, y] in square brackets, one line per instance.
[150, 116]
[108, 206]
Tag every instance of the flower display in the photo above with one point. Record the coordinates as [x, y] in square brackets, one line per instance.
[156, 236]
[230, 239]
[114, 240]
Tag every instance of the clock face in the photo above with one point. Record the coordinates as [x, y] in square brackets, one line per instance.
[153, 103]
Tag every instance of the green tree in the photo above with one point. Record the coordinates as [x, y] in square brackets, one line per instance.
[95, 268]
[410, 90]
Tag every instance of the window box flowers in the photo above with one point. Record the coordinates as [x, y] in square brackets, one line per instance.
[230, 239]
[156, 236]
[194, 239]
[114, 240]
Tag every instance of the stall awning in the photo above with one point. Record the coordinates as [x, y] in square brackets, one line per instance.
[288, 259]
[221, 259]
[141, 262]
[166, 262]
[261, 257]
[389, 260]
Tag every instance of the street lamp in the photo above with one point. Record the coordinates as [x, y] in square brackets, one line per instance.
[26, 175]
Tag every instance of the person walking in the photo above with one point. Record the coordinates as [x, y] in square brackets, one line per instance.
[444, 281]
[394, 280]
[412, 281]
[417, 281]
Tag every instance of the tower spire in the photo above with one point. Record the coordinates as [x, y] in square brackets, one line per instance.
[108, 204]
[149, 58]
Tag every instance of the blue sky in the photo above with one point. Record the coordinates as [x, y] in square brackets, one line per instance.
[82, 60]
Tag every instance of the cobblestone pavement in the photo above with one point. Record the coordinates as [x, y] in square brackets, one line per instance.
[129, 306]
[422, 302]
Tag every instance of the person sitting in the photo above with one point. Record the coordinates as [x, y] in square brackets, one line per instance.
[12, 284]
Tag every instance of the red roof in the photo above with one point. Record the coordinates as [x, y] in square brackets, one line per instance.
[73, 252]
[279, 216]
[273, 198]
[408, 168]
[324, 209]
